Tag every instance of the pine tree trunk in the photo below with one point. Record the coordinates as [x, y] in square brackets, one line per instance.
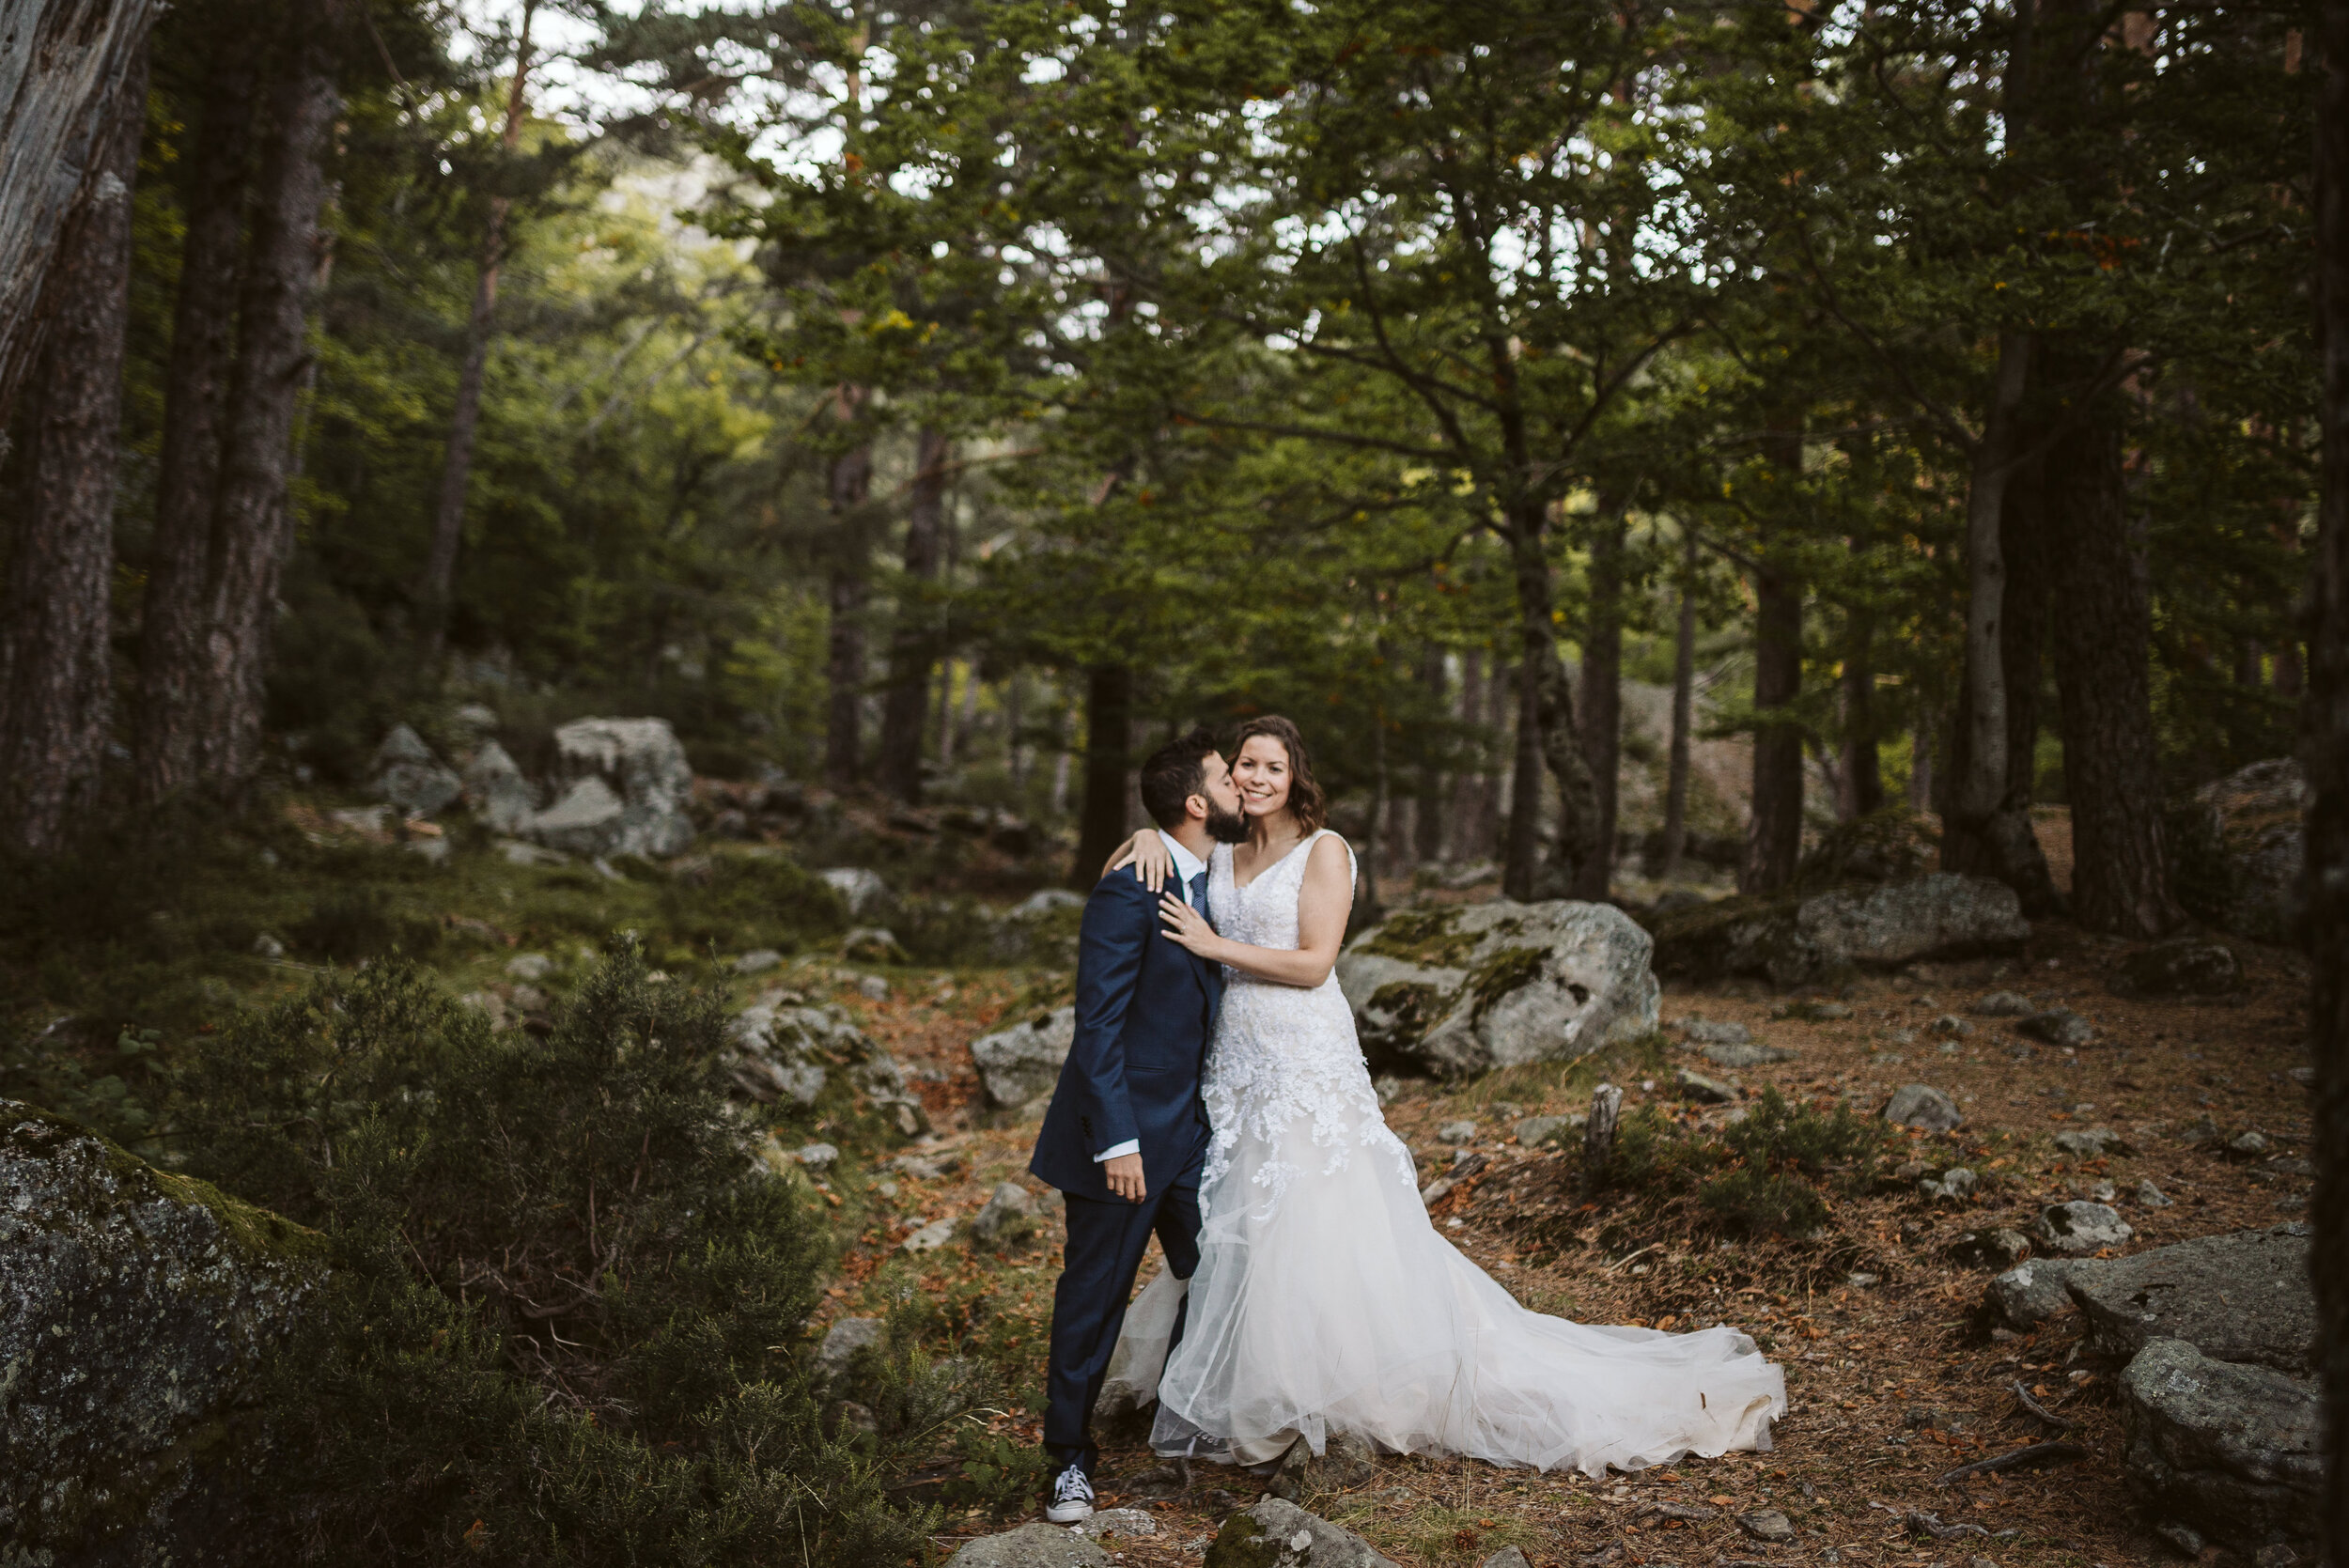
[2111, 766]
[1602, 703]
[187, 479]
[909, 642]
[1466, 839]
[56, 681]
[1683, 713]
[1547, 733]
[1774, 833]
[252, 518]
[2326, 721]
[1101, 822]
[1859, 779]
[849, 586]
[1427, 799]
[60, 64]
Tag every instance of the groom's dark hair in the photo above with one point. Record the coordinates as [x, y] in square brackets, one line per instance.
[1175, 773]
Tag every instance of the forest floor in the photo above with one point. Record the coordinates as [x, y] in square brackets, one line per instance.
[1893, 1376]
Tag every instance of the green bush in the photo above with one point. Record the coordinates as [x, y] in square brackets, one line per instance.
[1760, 1176]
[563, 1322]
[1777, 1131]
[998, 1474]
[747, 898]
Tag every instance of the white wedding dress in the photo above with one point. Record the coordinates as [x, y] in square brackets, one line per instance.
[1326, 1301]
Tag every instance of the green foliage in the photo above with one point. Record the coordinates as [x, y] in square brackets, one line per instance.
[1761, 1175]
[749, 898]
[999, 1474]
[562, 1321]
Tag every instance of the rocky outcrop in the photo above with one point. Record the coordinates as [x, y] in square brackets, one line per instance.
[2240, 851]
[863, 890]
[624, 789]
[406, 774]
[2242, 1298]
[2030, 1294]
[1462, 989]
[1795, 939]
[2080, 1226]
[2233, 1451]
[136, 1307]
[496, 792]
[1018, 1066]
[1035, 1545]
[1277, 1533]
[778, 1051]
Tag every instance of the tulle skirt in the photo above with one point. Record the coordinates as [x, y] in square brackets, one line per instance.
[1326, 1301]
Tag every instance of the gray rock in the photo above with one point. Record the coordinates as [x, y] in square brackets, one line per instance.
[2080, 1226]
[1131, 1523]
[1018, 1066]
[930, 1238]
[2089, 1142]
[1456, 1132]
[1035, 1545]
[781, 1053]
[1747, 1056]
[1508, 1557]
[862, 890]
[1704, 1031]
[1996, 1248]
[757, 961]
[2240, 1298]
[2235, 1452]
[625, 784]
[817, 1156]
[2005, 1004]
[873, 944]
[1794, 938]
[1767, 1524]
[2186, 966]
[841, 1341]
[1007, 1203]
[2249, 1145]
[1276, 1533]
[1709, 1091]
[515, 852]
[1537, 1130]
[1050, 901]
[140, 1309]
[530, 966]
[1347, 1461]
[406, 774]
[1921, 1105]
[2030, 1294]
[2241, 852]
[496, 792]
[1461, 989]
[2056, 1026]
[2152, 1197]
[1957, 1184]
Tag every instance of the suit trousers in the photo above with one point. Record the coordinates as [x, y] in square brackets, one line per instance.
[1105, 1245]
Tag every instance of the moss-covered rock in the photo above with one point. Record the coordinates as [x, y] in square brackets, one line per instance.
[136, 1309]
[1464, 988]
[2240, 851]
[1796, 937]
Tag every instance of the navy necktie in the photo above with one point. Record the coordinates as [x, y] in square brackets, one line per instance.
[1199, 894]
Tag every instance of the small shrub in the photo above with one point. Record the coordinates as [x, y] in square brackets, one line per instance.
[1746, 1202]
[351, 923]
[1777, 1131]
[741, 899]
[998, 1474]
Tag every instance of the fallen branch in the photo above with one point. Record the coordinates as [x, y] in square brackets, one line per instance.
[2023, 1397]
[2037, 1453]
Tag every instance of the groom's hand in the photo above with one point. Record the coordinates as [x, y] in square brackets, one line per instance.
[1124, 1174]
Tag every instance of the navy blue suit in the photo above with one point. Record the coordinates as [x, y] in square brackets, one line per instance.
[1144, 1008]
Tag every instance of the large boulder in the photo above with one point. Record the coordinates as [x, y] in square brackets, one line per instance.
[861, 890]
[2233, 1452]
[2241, 1297]
[1796, 937]
[1464, 988]
[625, 786]
[2241, 851]
[1018, 1066]
[407, 774]
[1277, 1533]
[1035, 1544]
[496, 792]
[136, 1307]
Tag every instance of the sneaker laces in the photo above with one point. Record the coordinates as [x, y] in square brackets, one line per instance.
[1072, 1486]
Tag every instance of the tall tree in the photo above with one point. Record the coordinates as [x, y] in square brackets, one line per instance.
[1684, 711]
[464, 420]
[911, 642]
[1602, 697]
[849, 492]
[60, 64]
[55, 684]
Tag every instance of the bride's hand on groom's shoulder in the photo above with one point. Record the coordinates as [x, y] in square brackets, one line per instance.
[1146, 853]
[1185, 927]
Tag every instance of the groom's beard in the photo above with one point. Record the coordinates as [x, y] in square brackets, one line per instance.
[1226, 827]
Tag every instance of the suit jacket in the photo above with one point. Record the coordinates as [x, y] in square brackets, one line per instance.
[1144, 1010]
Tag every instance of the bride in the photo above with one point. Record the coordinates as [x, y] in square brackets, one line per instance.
[1323, 1298]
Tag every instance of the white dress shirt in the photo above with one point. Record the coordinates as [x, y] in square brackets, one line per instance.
[1187, 865]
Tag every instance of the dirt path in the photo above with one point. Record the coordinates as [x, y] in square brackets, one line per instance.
[1892, 1377]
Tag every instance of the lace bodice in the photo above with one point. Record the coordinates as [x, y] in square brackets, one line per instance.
[1285, 1055]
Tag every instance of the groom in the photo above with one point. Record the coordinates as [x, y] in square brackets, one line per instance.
[1125, 1132]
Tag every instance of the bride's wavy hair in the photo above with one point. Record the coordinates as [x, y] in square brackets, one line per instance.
[1307, 802]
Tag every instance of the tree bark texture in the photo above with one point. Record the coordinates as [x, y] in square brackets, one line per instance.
[434, 587]
[1602, 703]
[55, 684]
[2325, 742]
[1427, 799]
[61, 63]
[2111, 767]
[252, 520]
[1466, 839]
[1858, 779]
[911, 643]
[849, 586]
[1545, 732]
[187, 479]
[1101, 820]
[1683, 713]
[1774, 833]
